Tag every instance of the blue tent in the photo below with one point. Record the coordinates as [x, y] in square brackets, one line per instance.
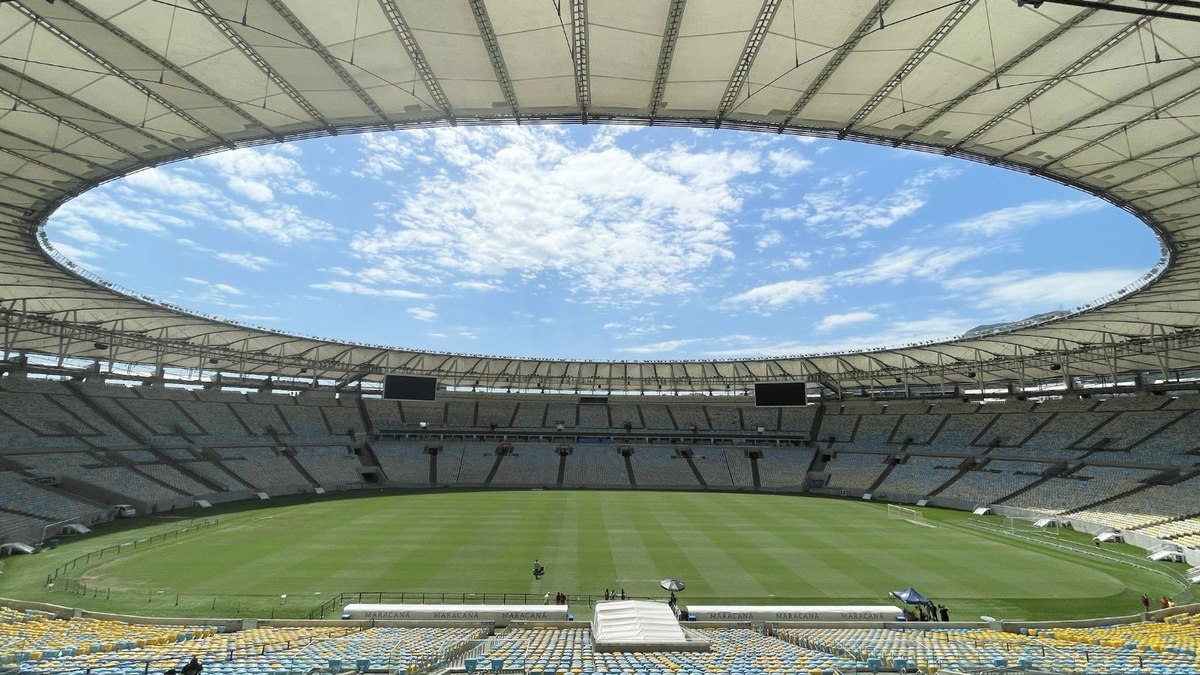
[910, 596]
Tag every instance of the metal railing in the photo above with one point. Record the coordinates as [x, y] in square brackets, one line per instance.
[194, 525]
[440, 598]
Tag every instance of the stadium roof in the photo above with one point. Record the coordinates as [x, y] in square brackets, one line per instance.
[1101, 96]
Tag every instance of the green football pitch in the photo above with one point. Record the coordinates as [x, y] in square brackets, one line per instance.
[728, 548]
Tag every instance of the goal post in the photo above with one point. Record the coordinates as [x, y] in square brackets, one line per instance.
[1032, 525]
[895, 512]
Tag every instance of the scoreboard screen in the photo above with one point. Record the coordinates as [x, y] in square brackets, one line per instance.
[409, 387]
[779, 394]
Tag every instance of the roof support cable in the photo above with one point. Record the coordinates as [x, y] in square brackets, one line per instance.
[1146, 65]
[987, 14]
[354, 40]
[795, 34]
[167, 51]
[1153, 37]
[33, 26]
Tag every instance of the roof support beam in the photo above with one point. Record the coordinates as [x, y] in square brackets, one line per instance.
[119, 73]
[259, 62]
[665, 53]
[993, 78]
[65, 122]
[864, 28]
[741, 71]
[409, 41]
[1054, 81]
[488, 34]
[333, 63]
[579, 57]
[1125, 127]
[1099, 111]
[168, 65]
[912, 61]
[100, 114]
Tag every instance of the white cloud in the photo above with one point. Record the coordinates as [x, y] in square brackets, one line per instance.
[102, 208]
[250, 261]
[385, 153]
[76, 253]
[256, 173]
[211, 292]
[799, 261]
[254, 263]
[285, 224]
[352, 288]
[638, 326]
[168, 182]
[1021, 291]
[836, 212]
[784, 213]
[771, 239]
[897, 333]
[422, 313]
[1006, 219]
[785, 163]
[838, 320]
[477, 285]
[927, 262]
[773, 296]
[608, 225]
[658, 347]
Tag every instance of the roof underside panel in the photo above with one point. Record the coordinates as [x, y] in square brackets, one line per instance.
[94, 89]
[623, 57]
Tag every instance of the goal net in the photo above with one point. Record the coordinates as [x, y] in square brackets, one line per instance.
[1043, 526]
[908, 515]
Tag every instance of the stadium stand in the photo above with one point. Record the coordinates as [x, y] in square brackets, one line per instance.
[332, 465]
[404, 463]
[875, 430]
[855, 471]
[1146, 647]
[529, 415]
[1113, 462]
[798, 420]
[595, 464]
[918, 429]
[383, 415]
[593, 417]
[784, 468]
[660, 465]
[918, 476]
[995, 480]
[1085, 486]
[657, 416]
[531, 464]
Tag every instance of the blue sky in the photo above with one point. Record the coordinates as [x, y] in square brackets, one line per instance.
[603, 242]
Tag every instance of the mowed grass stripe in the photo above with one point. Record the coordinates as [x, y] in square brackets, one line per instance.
[729, 548]
[671, 548]
[634, 567]
[796, 530]
[734, 555]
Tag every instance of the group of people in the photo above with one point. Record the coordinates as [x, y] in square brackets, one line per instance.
[560, 598]
[613, 594]
[927, 612]
[1164, 602]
